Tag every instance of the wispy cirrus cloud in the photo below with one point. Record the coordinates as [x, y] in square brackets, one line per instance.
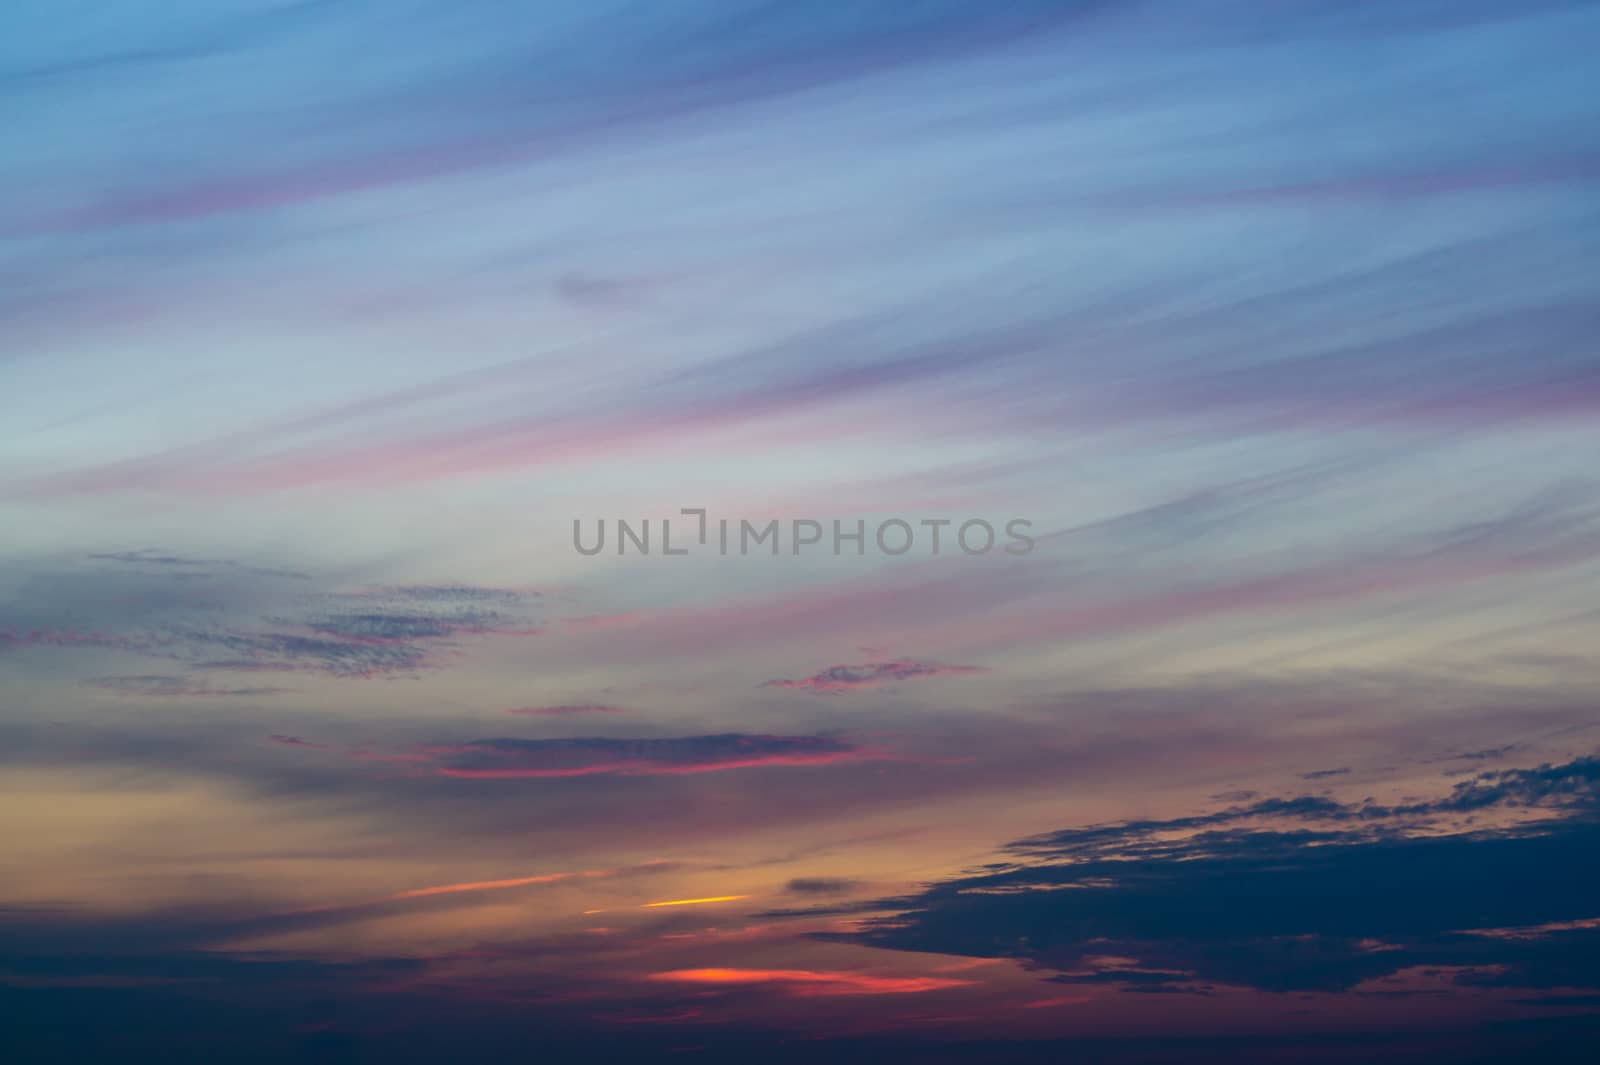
[296, 741]
[470, 126]
[436, 890]
[1277, 367]
[510, 759]
[507, 758]
[208, 614]
[393, 627]
[452, 594]
[836, 679]
[152, 557]
[821, 885]
[296, 652]
[566, 710]
[68, 638]
[171, 687]
[630, 422]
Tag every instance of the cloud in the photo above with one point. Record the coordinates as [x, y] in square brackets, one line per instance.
[1573, 786]
[331, 655]
[464, 887]
[1123, 273]
[808, 983]
[494, 759]
[162, 686]
[635, 422]
[611, 85]
[836, 679]
[446, 593]
[65, 638]
[207, 614]
[1554, 531]
[1489, 754]
[1315, 896]
[821, 885]
[153, 557]
[296, 741]
[566, 710]
[393, 627]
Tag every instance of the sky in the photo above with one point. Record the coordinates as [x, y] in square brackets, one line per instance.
[928, 531]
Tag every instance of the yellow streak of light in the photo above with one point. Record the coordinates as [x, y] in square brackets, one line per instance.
[693, 902]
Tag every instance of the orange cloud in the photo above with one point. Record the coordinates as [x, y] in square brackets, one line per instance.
[810, 983]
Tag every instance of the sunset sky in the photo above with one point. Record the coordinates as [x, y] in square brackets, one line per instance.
[323, 323]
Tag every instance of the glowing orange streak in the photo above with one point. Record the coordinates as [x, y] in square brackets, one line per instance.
[694, 902]
[480, 885]
[808, 982]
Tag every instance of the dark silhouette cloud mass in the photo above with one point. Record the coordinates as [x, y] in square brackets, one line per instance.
[1300, 894]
